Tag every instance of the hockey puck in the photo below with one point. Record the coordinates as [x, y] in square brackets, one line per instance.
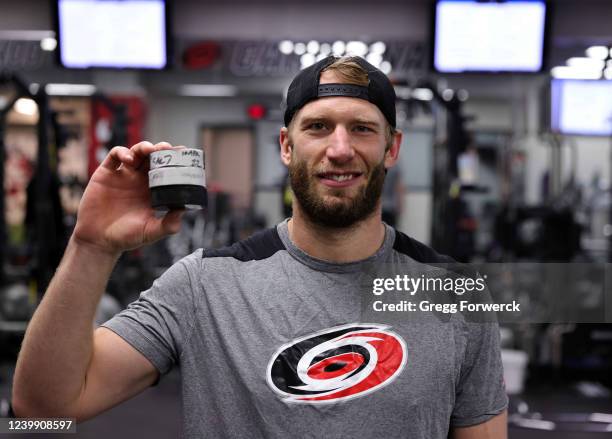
[177, 179]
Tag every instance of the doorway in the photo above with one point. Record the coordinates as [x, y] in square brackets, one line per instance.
[230, 163]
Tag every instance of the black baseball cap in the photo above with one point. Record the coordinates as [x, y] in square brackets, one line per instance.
[305, 88]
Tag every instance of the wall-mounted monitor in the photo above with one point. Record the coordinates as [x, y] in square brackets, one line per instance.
[121, 34]
[489, 36]
[581, 107]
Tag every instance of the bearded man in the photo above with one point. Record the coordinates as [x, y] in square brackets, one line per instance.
[268, 333]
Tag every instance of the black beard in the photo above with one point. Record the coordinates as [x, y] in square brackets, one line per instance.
[341, 214]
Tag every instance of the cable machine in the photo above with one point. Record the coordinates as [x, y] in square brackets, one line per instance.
[44, 224]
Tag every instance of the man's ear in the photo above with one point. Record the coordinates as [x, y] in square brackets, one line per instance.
[392, 153]
[285, 146]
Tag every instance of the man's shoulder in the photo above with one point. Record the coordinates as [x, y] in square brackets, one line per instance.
[418, 251]
[260, 245]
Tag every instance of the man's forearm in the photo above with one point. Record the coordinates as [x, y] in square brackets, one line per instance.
[57, 347]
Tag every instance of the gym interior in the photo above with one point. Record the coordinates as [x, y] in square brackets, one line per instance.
[505, 162]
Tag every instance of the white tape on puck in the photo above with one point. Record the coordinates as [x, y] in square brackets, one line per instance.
[188, 157]
[177, 175]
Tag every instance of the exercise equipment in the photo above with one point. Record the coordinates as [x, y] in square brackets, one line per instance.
[45, 232]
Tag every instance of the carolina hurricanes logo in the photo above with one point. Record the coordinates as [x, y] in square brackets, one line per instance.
[337, 364]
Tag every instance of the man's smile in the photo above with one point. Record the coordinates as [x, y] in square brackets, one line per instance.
[339, 179]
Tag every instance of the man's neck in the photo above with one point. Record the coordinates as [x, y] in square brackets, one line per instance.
[354, 243]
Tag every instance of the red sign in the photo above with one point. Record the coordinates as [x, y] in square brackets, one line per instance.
[201, 55]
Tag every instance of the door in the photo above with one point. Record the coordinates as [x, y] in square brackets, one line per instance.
[229, 162]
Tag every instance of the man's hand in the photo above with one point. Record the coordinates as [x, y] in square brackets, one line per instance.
[115, 213]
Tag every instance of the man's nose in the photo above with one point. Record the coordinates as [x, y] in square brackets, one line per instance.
[340, 148]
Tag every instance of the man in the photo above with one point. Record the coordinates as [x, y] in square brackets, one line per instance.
[268, 332]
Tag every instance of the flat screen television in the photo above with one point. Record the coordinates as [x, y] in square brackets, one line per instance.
[489, 36]
[581, 107]
[117, 34]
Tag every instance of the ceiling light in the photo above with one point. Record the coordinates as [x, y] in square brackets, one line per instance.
[325, 49]
[338, 48]
[565, 72]
[375, 59]
[587, 63]
[26, 106]
[358, 48]
[299, 48]
[307, 60]
[313, 47]
[378, 47]
[286, 47]
[597, 52]
[208, 90]
[422, 94]
[70, 89]
[48, 44]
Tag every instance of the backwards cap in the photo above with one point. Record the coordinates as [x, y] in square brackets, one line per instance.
[305, 88]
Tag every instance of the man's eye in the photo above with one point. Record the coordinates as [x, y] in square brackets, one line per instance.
[363, 129]
[316, 126]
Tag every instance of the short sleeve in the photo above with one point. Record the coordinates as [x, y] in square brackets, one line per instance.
[480, 393]
[159, 322]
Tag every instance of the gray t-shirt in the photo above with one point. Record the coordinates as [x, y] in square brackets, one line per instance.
[271, 344]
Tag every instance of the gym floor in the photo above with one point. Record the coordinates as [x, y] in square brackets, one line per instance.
[156, 413]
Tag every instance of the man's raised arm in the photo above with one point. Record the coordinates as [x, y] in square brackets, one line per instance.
[64, 368]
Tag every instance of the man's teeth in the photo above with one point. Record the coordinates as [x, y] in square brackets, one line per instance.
[342, 177]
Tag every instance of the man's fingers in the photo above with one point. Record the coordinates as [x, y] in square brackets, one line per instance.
[117, 156]
[142, 151]
[171, 222]
[134, 156]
